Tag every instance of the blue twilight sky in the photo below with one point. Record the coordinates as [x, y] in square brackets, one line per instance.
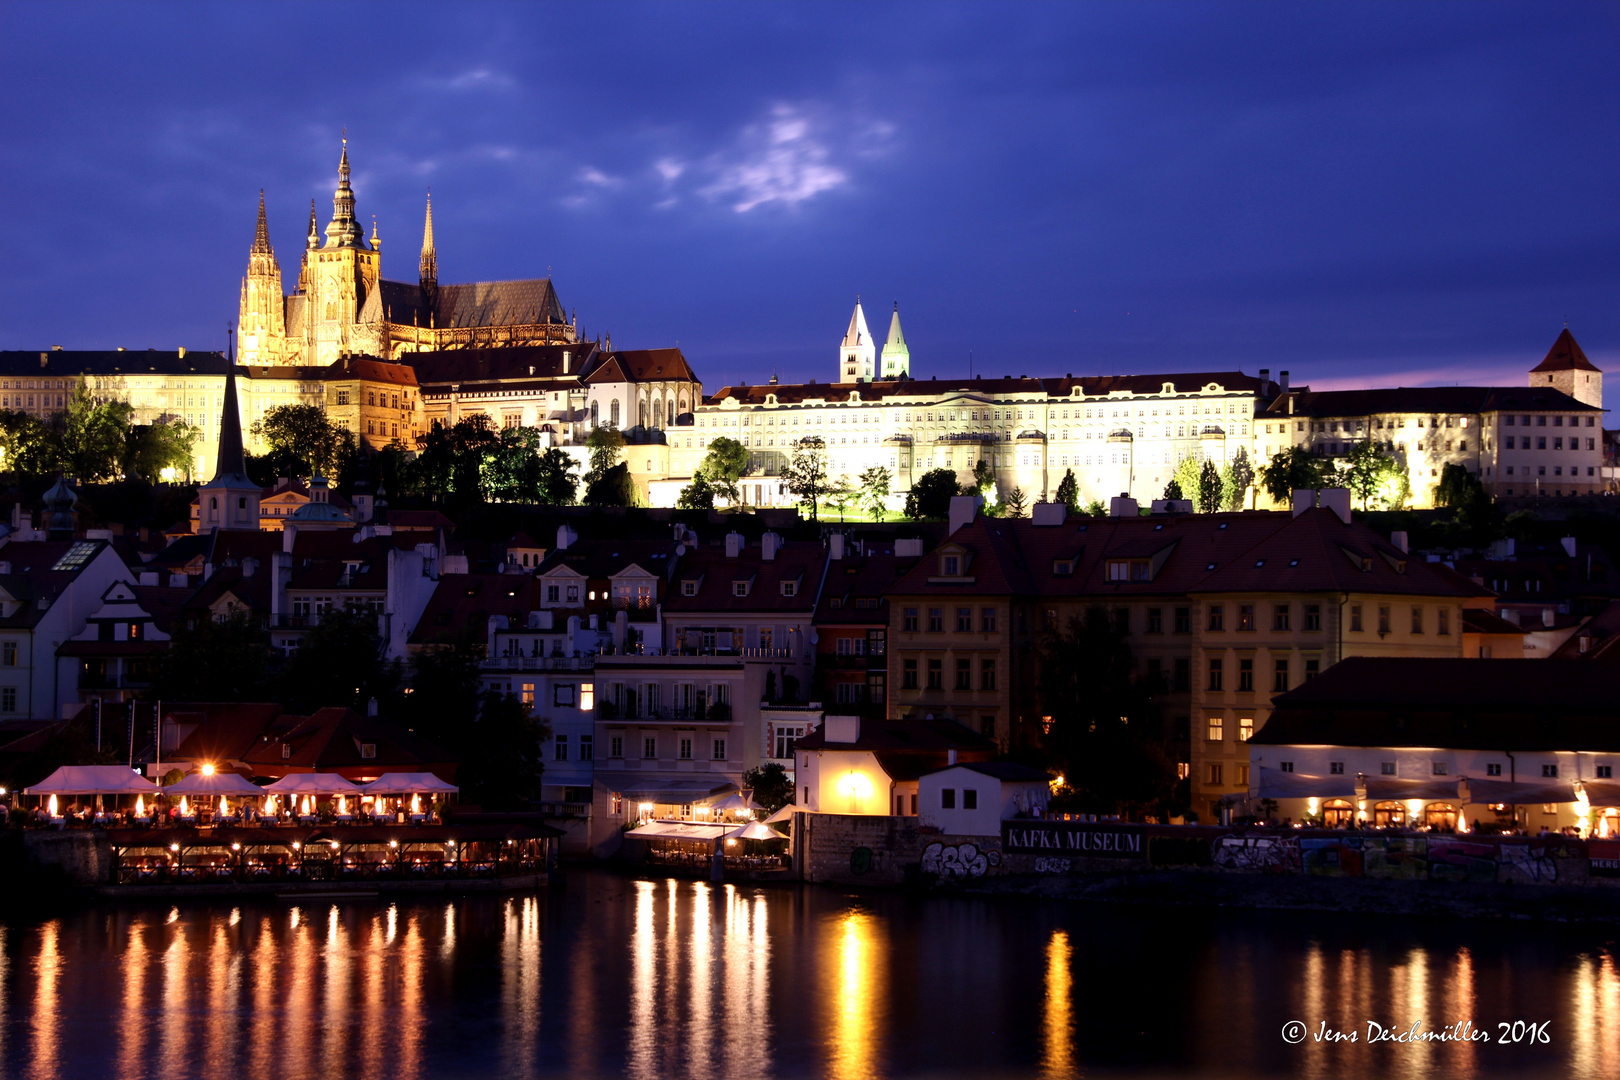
[1397, 193]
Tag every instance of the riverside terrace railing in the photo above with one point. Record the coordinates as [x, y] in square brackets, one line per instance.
[515, 662]
[588, 661]
[272, 855]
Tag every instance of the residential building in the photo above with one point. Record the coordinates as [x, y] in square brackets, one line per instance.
[115, 656]
[973, 798]
[851, 765]
[852, 625]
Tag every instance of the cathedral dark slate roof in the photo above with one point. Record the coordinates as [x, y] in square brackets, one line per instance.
[502, 364]
[61, 363]
[1425, 399]
[482, 303]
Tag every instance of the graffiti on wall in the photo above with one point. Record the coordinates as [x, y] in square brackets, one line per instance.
[1536, 863]
[958, 860]
[1257, 854]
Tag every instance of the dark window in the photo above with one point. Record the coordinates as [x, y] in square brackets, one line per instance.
[1383, 618]
[1604, 772]
[970, 798]
[1155, 620]
[987, 674]
[1312, 668]
[936, 675]
[1313, 616]
[987, 620]
[1550, 771]
[1214, 674]
[911, 619]
[1336, 768]
[936, 620]
[947, 798]
[1386, 768]
[1217, 616]
[1279, 617]
[1183, 620]
[1246, 617]
[964, 620]
[1495, 769]
[1279, 679]
[964, 674]
[1355, 616]
[1183, 674]
[1246, 675]
[908, 676]
[1417, 618]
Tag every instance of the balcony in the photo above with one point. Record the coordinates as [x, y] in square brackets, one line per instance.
[718, 713]
[538, 663]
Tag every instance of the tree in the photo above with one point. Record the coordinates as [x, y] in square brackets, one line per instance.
[604, 445]
[612, 488]
[502, 754]
[1095, 509]
[28, 446]
[726, 462]
[94, 435]
[841, 495]
[225, 659]
[874, 486]
[1172, 490]
[984, 477]
[1068, 491]
[1209, 488]
[806, 474]
[1104, 733]
[697, 495]
[1015, 503]
[1239, 477]
[931, 495]
[1367, 469]
[307, 442]
[449, 463]
[341, 662]
[558, 486]
[150, 449]
[510, 468]
[1295, 469]
[1188, 469]
[770, 784]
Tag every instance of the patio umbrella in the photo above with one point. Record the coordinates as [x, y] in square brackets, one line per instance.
[755, 830]
[318, 783]
[212, 784]
[784, 814]
[409, 783]
[93, 780]
[736, 801]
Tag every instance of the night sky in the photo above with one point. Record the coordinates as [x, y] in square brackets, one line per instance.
[1385, 193]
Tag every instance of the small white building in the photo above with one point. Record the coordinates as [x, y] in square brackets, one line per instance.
[974, 798]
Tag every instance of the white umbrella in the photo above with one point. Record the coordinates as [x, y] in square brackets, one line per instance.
[755, 830]
[736, 801]
[784, 814]
[214, 783]
[409, 783]
[93, 780]
[318, 783]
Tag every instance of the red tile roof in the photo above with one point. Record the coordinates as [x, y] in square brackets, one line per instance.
[463, 603]
[1565, 355]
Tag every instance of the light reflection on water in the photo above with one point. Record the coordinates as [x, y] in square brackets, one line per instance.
[653, 979]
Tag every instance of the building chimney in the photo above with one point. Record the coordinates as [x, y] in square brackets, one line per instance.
[950, 757]
[1123, 505]
[1304, 499]
[835, 546]
[769, 544]
[1337, 499]
[1265, 377]
[1282, 381]
[1569, 546]
[734, 544]
[1048, 513]
[963, 510]
[565, 536]
[1398, 538]
[567, 356]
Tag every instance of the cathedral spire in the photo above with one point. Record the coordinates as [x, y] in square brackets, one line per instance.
[261, 235]
[230, 463]
[231, 499]
[430, 260]
[896, 359]
[313, 241]
[344, 231]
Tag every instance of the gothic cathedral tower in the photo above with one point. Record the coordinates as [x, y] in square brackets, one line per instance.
[262, 318]
[856, 355]
[337, 276]
[896, 358]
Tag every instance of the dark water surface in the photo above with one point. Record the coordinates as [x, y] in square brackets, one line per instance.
[614, 977]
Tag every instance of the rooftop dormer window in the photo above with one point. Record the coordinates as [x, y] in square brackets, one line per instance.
[790, 588]
[689, 588]
[950, 565]
[739, 588]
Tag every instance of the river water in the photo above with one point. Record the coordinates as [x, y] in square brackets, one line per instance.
[609, 976]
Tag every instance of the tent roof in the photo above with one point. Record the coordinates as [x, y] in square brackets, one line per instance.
[408, 783]
[219, 783]
[317, 783]
[94, 780]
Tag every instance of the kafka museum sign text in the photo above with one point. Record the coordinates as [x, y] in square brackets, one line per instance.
[1104, 840]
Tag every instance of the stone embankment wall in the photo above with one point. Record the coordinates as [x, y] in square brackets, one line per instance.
[47, 857]
[893, 850]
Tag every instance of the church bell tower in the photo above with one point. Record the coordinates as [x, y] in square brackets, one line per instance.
[262, 316]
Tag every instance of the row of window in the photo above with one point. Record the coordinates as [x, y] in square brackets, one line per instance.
[964, 615]
[936, 675]
[1441, 768]
[1280, 678]
[684, 747]
[1541, 443]
[1558, 470]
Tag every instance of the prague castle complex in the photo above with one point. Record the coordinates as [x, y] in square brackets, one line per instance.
[388, 359]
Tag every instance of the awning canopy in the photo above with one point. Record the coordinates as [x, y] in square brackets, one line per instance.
[784, 814]
[679, 830]
[93, 780]
[755, 830]
[1276, 784]
[1381, 789]
[409, 783]
[218, 783]
[735, 801]
[316, 783]
[672, 792]
[1508, 791]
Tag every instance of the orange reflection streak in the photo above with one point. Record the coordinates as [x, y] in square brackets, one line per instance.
[700, 1032]
[301, 1015]
[219, 1036]
[176, 1012]
[47, 1006]
[520, 984]
[1417, 1060]
[583, 1015]
[1594, 1007]
[132, 1026]
[1462, 1006]
[334, 1016]
[413, 957]
[745, 975]
[265, 1050]
[643, 1035]
[1313, 1006]
[374, 970]
[855, 1005]
[1058, 1058]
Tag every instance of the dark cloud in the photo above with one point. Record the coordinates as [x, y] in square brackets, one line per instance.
[1336, 189]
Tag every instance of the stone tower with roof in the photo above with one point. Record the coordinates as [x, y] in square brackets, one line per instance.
[262, 327]
[231, 499]
[857, 357]
[1566, 368]
[896, 359]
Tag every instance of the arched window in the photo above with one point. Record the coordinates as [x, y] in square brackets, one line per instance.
[1441, 817]
[684, 409]
[613, 412]
[671, 412]
[652, 418]
[1389, 815]
[594, 414]
[1338, 814]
